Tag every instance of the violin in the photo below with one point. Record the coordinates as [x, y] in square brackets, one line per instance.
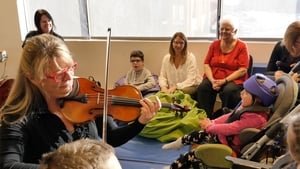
[86, 102]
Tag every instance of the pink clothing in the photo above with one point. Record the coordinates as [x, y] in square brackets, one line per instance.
[222, 129]
[224, 64]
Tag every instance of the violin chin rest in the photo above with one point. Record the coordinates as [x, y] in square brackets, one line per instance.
[75, 88]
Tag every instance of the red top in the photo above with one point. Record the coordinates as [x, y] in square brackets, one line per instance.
[224, 64]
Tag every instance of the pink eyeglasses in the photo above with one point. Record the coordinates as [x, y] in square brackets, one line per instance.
[60, 75]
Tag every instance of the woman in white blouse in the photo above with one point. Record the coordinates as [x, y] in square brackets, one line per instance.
[179, 69]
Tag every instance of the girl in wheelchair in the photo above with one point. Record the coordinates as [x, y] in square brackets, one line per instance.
[252, 112]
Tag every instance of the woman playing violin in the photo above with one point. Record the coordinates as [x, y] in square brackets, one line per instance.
[32, 122]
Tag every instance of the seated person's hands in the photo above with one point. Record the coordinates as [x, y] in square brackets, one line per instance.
[220, 82]
[172, 89]
[295, 76]
[168, 90]
[293, 64]
[164, 89]
[278, 74]
[217, 84]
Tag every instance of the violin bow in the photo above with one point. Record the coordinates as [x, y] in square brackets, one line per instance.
[105, 106]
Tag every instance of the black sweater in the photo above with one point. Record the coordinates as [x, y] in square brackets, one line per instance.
[281, 59]
[22, 144]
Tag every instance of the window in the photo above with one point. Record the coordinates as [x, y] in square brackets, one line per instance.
[126, 18]
[152, 18]
[262, 18]
[160, 18]
[69, 16]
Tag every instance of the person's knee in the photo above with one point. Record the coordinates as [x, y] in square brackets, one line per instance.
[205, 85]
[230, 95]
[190, 90]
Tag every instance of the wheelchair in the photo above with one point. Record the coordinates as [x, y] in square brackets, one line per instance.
[258, 145]
[279, 162]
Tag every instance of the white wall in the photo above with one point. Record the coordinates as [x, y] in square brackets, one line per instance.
[91, 54]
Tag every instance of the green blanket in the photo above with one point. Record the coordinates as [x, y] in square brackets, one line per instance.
[168, 124]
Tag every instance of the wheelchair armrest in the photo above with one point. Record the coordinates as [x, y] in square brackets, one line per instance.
[282, 161]
[213, 155]
[247, 163]
[247, 134]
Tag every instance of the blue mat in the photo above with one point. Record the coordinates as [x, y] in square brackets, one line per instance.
[144, 153]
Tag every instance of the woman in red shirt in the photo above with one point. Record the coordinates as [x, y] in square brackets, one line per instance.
[225, 69]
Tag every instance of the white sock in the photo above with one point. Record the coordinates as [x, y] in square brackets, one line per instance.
[175, 145]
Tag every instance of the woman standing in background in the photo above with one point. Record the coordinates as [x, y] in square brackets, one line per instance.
[44, 23]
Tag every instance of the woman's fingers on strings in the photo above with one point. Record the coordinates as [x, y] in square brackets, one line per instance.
[145, 105]
[152, 105]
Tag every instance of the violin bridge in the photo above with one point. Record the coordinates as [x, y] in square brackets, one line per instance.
[98, 98]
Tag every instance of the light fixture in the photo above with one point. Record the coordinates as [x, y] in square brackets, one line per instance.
[3, 55]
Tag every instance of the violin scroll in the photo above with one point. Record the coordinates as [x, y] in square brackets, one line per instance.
[180, 109]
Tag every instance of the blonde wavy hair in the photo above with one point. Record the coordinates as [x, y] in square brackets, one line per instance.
[37, 53]
[80, 154]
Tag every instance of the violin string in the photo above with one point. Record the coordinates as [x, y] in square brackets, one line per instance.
[127, 101]
[119, 100]
[114, 99]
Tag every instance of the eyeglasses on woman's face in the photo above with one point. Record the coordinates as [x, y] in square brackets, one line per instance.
[181, 43]
[135, 60]
[60, 75]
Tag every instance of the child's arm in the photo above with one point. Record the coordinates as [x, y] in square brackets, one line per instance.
[247, 120]
[222, 119]
[204, 123]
